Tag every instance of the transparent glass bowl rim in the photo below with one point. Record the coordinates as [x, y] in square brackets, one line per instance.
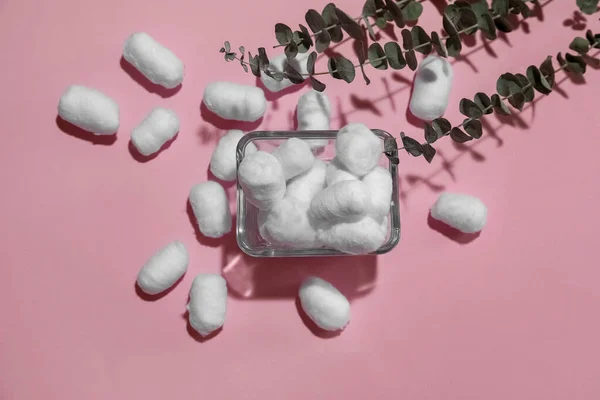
[394, 215]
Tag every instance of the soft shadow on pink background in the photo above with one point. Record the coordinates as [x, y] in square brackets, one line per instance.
[511, 314]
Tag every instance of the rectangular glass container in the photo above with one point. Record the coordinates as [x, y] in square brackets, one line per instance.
[248, 237]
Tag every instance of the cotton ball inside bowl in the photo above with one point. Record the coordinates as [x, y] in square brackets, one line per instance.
[343, 200]
[288, 223]
[431, 91]
[337, 173]
[379, 182]
[324, 304]
[465, 213]
[211, 209]
[358, 149]
[314, 113]
[306, 185]
[295, 157]
[234, 101]
[164, 268]
[223, 162]
[363, 236]
[261, 177]
[208, 303]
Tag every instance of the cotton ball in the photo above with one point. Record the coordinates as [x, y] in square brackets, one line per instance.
[431, 91]
[160, 126]
[157, 63]
[211, 209]
[466, 213]
[313, 113]
[89, 109]
[223, 162]
[354, 237]
[261, 177]
[324, 304]
[288, 223]
[295, 157]
[336, 173]
[358, 148]
[164, 268]
[234, 101]
[379, 182]
[278, 64]
[208, 303]
[306, 185]
[341, 201]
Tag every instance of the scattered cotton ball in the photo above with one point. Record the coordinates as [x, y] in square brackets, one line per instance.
[313, 113]
[379, 182]
[89, 109]
[223, 162]
[288, 223]
[341, 201]
[278, 64]
[261, 178]
[337, 173]
[211, 209]
[306, 185]
[354, 237]
[295, 157]
[324, 304]
[466, 213]
[160, 126]
[234, 101]
[358, 148]
[433, 82]
[208, 303]
[164, 268]
[157, 63]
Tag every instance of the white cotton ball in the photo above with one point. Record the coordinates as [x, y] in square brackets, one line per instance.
[223, 162]
[358, 148]
[337, 173]
[306, 185]
[164, 268]
[324, 304]
[466, 213]
[354, 237]
[295, 157]
[278, 64]
[314, 113]
[211, 209]
[157, 63]
[431, 91]
[160, 126]
[288, 223]
[261, 178]
[234, 101]
[341, 201]
[89, 109]
[379, 182]
[208, 303]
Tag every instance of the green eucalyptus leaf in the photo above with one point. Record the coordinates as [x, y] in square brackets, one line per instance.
[468, 20]
[470, 109]
[453, 45]
[428, 152]
[526, 87]
[449, 26]
[499, 106]
[411, 60]
[412, 11]
[589, 35]
[310, 63]
[459, 136]
[315, 21]
[503, 25]
[349, 25]
[292, 74]
[306, 39]
[322, 41]
[473, 128]
[283, 34]
[390, 145]
[547, 70]
[316, 84]
[377, 57]
[438, 45]
[278, 76]
[230, 56]
[484, 103]
[508, 84]
[412, 146]
[452, 12]
[575, 64]
[561, 60]
[254, 65]
[580, 45]
[587, 6]
[369, 9]
[381, 22]
[394, 55]
[430, 134]
[540, 83]
[500, 7]
[369, 28]
[291, 50]
[517, 100]
[407, 40]
[341, 68]
[420, 39]
[227, 47]
[395, 12]
[263, 60]
[487, 26]
[332, 22]
[442, 126]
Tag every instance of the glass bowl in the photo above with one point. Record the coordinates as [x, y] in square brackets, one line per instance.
[248, 237]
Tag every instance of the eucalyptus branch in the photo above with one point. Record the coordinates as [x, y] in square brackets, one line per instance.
[516, 89]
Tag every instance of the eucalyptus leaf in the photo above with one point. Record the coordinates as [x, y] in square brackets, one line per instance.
[394, 55]
[369, 9]
[449, 26]
[227, 47]
[322, 41]
[580, 45]
[517, 100]
[291, 50]
[370, 29]
[484, 103]
[278, 76]
[421, 40]
[442, 126]
[332, 22]
[341, 68]
[377, 57]
[283, 34]
[315, 21]
[430, 134]
[547, 69]
[526, 87]
[381, 22]
[575, 64]
[310, 63]
[470, 109]
[263, 60]
[499, 106]
[411, 60]
[317, 84]
[540, 83]
[467, 21]
[438, 45]
[395, 12]
[503, 25]
[349, 25]
[454, 46]
[407, 40]
[230, 56]
[412, 11]
[254, 65]
[588, 6]
[487, 26]
[390, 145]
[473, 128]
[306, 39]
[412, 146]
[508, 84]
[292, 74]
[561, 60]
[459, 135]
[428, 152]
[500, 7]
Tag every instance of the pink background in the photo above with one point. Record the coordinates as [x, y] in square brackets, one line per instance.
[511, 315]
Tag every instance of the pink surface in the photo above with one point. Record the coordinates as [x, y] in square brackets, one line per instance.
[511, 315]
